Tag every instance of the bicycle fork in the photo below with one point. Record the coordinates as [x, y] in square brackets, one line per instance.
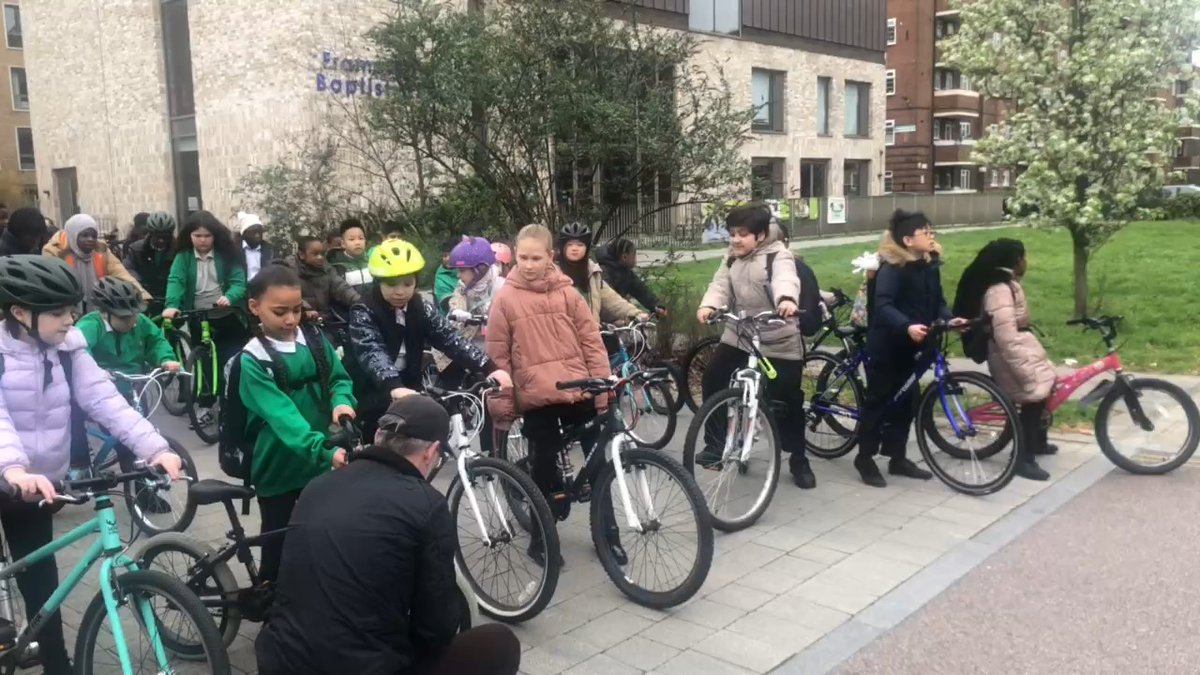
[492, 497]
[750, 401]
[643, 487]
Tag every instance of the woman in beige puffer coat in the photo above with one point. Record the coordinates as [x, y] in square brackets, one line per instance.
[990, 287]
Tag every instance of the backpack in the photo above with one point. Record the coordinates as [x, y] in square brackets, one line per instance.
[811, 317]
[976, 341]
[236, 435]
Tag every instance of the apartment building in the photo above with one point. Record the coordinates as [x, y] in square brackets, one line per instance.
[18, 179]
[1187, 154]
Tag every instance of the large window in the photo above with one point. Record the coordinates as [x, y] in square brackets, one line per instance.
[964, 179]
[814, 179]
[858, 107]
[12, 27]
[854, 177]
[715, 16]
[823, 86]
[766, 178]
[767, 92]
[25, 149]
[20, 88]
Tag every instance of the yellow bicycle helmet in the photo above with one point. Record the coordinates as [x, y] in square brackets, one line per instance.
[395, 258]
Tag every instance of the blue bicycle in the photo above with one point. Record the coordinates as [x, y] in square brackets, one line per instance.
[649, 408]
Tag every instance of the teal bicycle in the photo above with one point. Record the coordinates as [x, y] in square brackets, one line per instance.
[137, 617]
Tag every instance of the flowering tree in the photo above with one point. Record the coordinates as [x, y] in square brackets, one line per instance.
[1086, 122]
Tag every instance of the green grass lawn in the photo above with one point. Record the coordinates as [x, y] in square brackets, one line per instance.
[1144, 273]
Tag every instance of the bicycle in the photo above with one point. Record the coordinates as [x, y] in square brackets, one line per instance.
[149, 509]
[207, 573]
[126, 599]
[174, 392]
[646, 521]
[1122, 389]
[834, 381]
[652, 401]
[747, 419]
[203, 398]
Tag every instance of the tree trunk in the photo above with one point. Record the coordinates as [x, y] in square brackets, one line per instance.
[1081, 274]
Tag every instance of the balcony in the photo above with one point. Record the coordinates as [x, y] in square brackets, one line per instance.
[952, 153]
[1189, 131]
[1187, 162]
[955, 103]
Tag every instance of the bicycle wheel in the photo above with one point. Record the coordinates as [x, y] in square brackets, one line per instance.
[693, 367]
[669, 559]
[177, 555]
[164, 510]
[833, 399]
[951, 399]
[203, 404]
[149, 601]
[1155, 424]
[993, 433]
[736, 490]
[176, 388]
[676, 384]
[649, 411]
[509, 585]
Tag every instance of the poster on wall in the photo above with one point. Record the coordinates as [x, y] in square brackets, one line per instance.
[837, 210]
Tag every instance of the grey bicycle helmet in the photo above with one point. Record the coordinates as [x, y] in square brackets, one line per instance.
[575, 231]
[160, 222]
[118, 297]
[38, 282]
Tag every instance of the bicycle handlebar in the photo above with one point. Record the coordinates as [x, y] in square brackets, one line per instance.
[1096, 323]
[152, 375]
[348, 435]
[80, 490]
[604, 385]
[768, 318]
[467, 318]
[479, 388]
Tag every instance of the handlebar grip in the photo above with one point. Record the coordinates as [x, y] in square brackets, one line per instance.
[582, 384]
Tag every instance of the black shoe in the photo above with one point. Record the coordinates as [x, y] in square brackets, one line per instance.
[615, 549]
[905, 467]
[803, 478]
[868, 471]
[537, 553]
[560, 507]
[1031, 471]
[708, 459]
[1047, 449]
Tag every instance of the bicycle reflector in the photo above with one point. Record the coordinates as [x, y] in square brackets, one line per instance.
[769, 370]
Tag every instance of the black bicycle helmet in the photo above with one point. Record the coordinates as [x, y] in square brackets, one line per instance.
[38, 282]
[118, 297]
[160, 222]
[575, 231]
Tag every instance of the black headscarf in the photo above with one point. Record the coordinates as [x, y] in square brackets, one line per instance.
[992, 265]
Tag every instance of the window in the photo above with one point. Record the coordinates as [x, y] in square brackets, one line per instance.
[995, 176]
[889, 82]
[939, 29]
[1004, 178]
[12, 27]
[964, 131]
[1182, 87]
[891, 31]
[858, 102]
[889, 132]
[854, 178]
[813, 181]
[25, 148]
[715, 16]
[937, 130]
[964, 82]
[993, 129]
[766, 178]
[888, 182]
[964, 179]
[766, 88]
[20, 88]
[823, 86]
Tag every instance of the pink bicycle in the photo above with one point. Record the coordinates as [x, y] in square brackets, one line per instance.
[1143, 425]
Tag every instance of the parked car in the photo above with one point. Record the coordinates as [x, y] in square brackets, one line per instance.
[1170, 191]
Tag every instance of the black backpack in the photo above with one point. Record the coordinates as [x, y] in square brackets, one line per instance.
[235, 435]
[811, 318]
[976, 341]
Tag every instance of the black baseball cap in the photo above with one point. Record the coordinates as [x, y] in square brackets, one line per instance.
[418, 417]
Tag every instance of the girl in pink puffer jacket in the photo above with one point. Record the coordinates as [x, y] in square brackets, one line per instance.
[37, 297]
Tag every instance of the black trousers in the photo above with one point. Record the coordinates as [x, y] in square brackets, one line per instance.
[543, 428]
[885, 420]
[1035, 429]
[785, 388]
[28, 528]
[490, 649]
[276, 513]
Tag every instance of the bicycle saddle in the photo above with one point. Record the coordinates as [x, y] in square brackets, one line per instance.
[213, 491]
[849, 331]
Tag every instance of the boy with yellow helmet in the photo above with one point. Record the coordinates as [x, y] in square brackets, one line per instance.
[390, 330]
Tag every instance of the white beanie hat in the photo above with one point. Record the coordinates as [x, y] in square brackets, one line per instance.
[244, 221]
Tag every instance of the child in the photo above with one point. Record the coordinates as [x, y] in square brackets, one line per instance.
[574, 240]
[991, 287]
[294, 387]
[446, 279]
[543, 332]
[351, 260]
[906, 297]
[474, 261]
[120, 337]
[79, 245]
[390, 330]
[504, 258]
[323, 290]
[740, 284]
[617, 260]
[38, 295]
[150, 258]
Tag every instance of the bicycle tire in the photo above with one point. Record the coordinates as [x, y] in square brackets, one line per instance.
[849, 436]
[179, 599]
[1109, 448]
[541, 510]
[929, 398]
[207, 433]
[733, 397]
[944, 444]
[177, 405]
[601, 492]
[677, 384]
[664, 407]
[189, 505]
[216, 582]
[693, 370]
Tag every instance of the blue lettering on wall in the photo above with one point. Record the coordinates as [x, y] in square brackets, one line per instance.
[350, 77]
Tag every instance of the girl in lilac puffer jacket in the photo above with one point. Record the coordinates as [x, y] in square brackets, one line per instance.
[37, 296]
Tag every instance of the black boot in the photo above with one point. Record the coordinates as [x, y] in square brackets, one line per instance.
[868, 471]
[1030, 470]
[903, 466]
[802, 473]
[1044, 446]
[537, 549]
[1033, 434]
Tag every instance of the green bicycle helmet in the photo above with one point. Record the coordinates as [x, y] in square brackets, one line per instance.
[117, 296]
[38, 282]
[160, 222]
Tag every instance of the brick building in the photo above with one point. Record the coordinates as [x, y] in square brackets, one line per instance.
[165, 104]
[934, 114]
[18, 181]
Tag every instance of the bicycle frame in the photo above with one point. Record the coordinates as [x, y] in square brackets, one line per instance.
[107, 546]
[207, 341]
[1064, 387]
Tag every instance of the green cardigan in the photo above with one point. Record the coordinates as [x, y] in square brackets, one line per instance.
[181, 283]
